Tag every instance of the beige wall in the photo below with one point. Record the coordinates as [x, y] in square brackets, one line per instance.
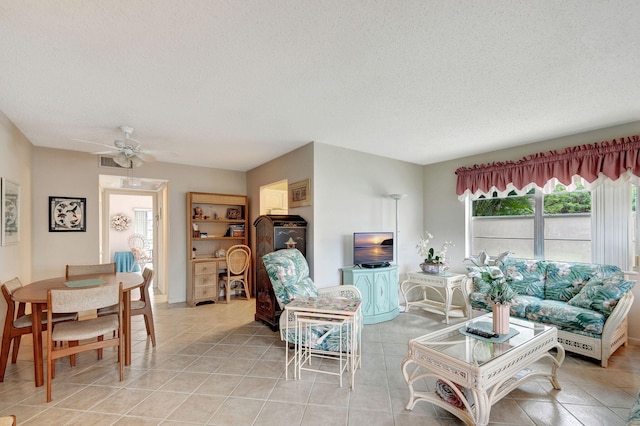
[68, 173]
[294, 166]
[349, 194]
[15, 165]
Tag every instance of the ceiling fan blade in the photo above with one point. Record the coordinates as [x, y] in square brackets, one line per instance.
[105, 152]
[134, 140]
[145, 157]
[92, 142]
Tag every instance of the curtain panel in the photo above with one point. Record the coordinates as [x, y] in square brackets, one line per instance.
[591, 164]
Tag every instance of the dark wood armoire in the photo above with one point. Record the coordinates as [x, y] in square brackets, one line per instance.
[274, 232]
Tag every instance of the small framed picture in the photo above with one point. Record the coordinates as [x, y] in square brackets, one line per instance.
[10, 212]
[67, 214]
[300, 194]
[234, 213]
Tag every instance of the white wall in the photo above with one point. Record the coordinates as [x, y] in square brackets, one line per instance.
[15, 165]
[68, 173]
[444, 215]
[124, 204]
[349, 191]
[351, 195]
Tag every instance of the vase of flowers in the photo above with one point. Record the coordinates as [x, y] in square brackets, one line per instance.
[434, 262]
[500, 293]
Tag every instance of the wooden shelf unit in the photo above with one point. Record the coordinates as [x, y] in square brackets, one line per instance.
[203, 270]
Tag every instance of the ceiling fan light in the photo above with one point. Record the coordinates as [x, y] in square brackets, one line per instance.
[122, 160]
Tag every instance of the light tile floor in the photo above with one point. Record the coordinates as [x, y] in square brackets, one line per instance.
[215, 365]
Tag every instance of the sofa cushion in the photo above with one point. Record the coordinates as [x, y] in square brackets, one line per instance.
[478, 300]
[521, 303]
[565, 279]
[518, 307]
[533, 275]
[601, 295]
[566, 316]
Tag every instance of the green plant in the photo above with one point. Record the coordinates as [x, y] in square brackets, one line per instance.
[499, 289]
[501, 292]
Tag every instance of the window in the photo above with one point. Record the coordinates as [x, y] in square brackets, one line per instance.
[143, 224]
[553, 226]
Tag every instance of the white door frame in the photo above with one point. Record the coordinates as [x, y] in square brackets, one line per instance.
[160, 230]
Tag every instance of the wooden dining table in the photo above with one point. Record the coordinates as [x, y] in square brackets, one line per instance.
[36, 294]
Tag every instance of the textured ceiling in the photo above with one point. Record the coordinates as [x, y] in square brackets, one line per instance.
[233, 84]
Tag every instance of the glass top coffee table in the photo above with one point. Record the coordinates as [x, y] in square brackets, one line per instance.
[474, 373]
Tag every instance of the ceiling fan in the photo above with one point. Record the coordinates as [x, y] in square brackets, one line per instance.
[128, 151]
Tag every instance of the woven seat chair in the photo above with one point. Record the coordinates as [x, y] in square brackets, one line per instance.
[139, 246]
[238, 258]
[8, 420]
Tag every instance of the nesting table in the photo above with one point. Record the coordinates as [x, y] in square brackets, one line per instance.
[307, 312]
[444, 285]
[477, 371]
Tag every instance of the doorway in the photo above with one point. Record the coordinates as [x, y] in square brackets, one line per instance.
[142, 203]
[274, 199]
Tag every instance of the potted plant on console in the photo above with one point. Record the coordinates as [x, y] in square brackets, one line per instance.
[433, 263]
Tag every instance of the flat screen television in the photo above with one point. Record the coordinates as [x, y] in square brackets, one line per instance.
[372, 249]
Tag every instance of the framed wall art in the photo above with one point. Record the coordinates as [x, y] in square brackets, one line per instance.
[234, 213]
[67, 214]
[300, 194]
[10, 212]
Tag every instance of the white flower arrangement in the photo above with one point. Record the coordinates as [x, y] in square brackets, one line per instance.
[120, 222]
[429, 254]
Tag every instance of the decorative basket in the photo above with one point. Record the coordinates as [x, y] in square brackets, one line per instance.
[433, 268]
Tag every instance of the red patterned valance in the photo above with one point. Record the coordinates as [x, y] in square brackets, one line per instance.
[590, 164]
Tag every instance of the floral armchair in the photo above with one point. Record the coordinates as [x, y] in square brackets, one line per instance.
[289, 275]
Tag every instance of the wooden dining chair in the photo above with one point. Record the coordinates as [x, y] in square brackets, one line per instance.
[237, 259]
[141, 306]
[9, 420]
[100, 268]
[17, 324]
[82, 332]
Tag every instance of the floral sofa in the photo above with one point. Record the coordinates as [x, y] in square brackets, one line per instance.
[588, 303]
[634, 414]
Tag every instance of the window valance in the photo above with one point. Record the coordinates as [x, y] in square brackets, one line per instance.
[617, 160]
